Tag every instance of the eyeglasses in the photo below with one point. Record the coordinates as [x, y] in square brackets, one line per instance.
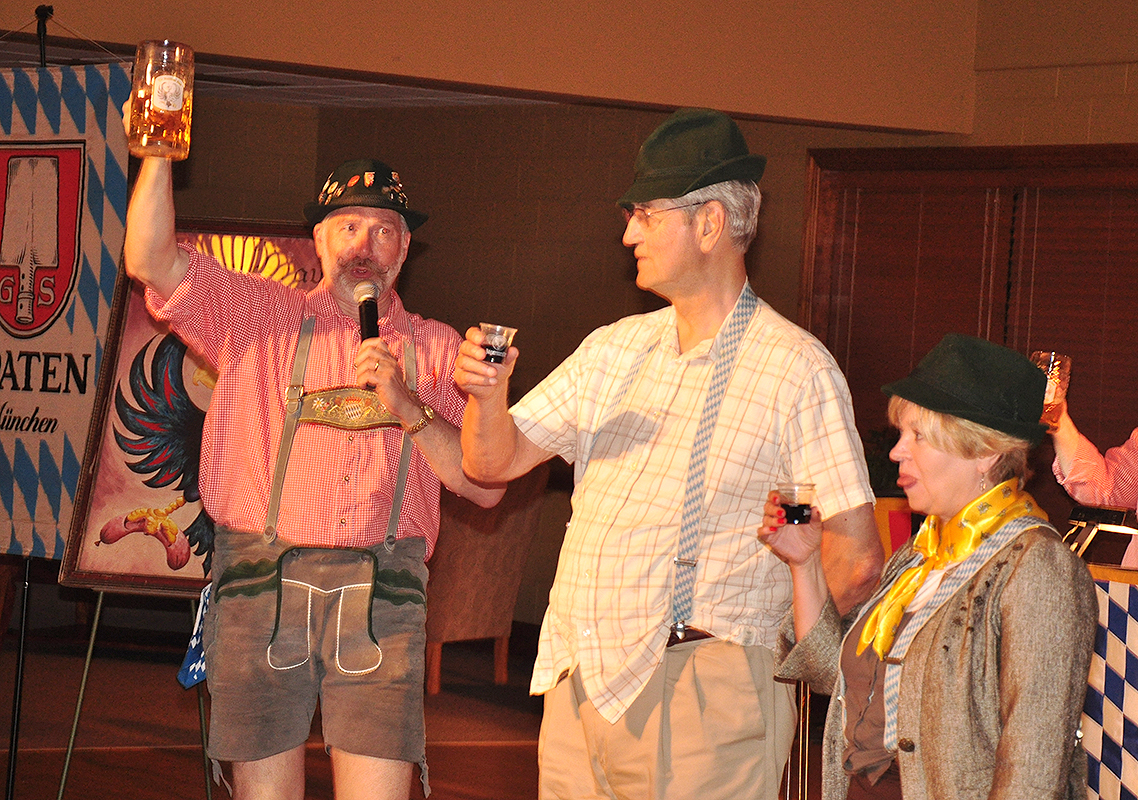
[647, 217]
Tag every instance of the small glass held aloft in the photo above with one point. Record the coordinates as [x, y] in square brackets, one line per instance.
[796, 499]
[496, 340]
[161, 100]
[1057, 368]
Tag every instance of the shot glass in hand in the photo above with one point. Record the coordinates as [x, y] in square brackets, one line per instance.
[496, 341]
[161, 100]
[1057, 368]
[796, 499]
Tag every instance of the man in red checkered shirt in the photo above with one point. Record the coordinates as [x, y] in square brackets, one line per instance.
[1097, 479]
[325, 494]
[1094, 478]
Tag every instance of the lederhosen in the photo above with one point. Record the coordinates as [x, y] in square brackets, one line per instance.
[332, 602]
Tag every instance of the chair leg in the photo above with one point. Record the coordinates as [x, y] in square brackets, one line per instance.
[501, 660]
[434, 667]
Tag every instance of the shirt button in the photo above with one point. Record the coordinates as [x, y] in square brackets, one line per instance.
[347, 479]
[343, 521]
[906, 745]
[587, 632]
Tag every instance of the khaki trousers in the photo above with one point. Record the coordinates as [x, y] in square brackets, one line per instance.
[711, 723]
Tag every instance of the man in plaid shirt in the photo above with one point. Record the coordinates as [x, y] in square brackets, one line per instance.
[655, 656]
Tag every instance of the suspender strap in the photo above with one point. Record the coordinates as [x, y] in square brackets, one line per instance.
[692, 512]
[288, 432]
[412, 374]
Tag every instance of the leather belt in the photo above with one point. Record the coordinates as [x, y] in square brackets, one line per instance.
[690, 635]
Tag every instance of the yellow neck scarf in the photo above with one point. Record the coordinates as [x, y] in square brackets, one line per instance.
[942, 545]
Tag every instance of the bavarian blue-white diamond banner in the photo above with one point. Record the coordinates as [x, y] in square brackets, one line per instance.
[1110, 716]
[63, 195]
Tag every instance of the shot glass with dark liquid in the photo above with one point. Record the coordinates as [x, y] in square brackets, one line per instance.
[796, 499]
[496, 340]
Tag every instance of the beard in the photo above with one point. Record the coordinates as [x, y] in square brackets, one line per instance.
[350, 272]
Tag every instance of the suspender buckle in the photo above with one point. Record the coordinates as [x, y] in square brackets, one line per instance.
[684, 562]
[292, 398]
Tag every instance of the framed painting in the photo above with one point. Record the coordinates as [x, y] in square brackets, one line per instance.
[139, 525]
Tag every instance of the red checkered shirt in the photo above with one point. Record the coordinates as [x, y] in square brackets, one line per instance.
[339, 484]
[1102, 480]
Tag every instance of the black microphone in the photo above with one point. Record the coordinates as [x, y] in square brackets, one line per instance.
[366, 294]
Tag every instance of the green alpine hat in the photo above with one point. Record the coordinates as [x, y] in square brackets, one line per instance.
[363, 182]
[980, 381]
[693, 148]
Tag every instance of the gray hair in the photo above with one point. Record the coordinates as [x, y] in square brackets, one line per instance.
[740, 199]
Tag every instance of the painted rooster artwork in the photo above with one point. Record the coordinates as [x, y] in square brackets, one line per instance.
[160, 432]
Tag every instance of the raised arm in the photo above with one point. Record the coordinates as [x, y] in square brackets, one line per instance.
[828, 559]
[493, 449]
[150, 251]
[1065, 436]
[1091, 477]
[441, 445]
[436, 438]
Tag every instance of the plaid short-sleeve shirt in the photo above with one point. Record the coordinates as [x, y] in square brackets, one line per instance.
[786, 413]
[339, 485]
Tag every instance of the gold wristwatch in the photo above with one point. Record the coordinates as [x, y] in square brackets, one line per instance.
[424, 421]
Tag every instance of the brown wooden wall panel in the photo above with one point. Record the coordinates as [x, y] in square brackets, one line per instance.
[1077, 283]
[881, 248]
[906, 267]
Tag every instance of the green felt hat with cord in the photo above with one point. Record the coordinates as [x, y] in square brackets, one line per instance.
[977, 380]
[693, 148]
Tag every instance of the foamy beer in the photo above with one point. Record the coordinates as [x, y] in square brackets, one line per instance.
[161, 100]
[1057, 368]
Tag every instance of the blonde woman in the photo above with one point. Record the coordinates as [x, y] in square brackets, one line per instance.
[964, 675]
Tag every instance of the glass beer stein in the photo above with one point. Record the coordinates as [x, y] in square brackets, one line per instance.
[161, 100]
[1057, 368]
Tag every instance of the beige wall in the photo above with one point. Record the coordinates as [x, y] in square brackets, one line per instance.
[881, 63]
[1056, 73]
[523, 228]
[1016, 34]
